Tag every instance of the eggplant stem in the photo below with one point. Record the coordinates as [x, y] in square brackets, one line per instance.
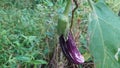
[75, 1]
[67, 8]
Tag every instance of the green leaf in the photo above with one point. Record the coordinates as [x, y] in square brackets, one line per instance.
[102, 0]
[38, 62]
[104, 32]
[23, 58]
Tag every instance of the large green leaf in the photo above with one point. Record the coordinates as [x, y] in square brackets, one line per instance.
[104, 32]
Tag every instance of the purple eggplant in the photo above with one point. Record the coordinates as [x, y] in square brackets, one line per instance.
[73, 50]
[70, 50]
[64, 48]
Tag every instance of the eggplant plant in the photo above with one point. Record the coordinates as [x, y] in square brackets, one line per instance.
[66, 40]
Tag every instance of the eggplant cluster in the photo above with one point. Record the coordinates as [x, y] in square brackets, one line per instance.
[70, 50]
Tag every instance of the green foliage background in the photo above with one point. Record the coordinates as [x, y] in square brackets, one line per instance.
[26, 33]
[28, 30]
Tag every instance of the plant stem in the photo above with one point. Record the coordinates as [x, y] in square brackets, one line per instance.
[67, 8]
[90, 3]
[35, 66]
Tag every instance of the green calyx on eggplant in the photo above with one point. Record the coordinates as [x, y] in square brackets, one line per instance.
[70, 50]
[63, 25]
[63, 21]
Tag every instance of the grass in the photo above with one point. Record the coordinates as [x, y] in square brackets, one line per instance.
[23, 34]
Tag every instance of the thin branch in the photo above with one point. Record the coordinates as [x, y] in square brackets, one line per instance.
[75, 1]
